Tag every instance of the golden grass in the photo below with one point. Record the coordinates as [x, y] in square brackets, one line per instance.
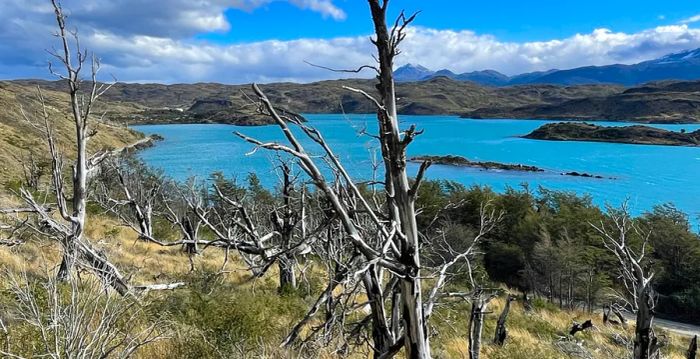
[535, 334]
[530, 335]
[18, 137]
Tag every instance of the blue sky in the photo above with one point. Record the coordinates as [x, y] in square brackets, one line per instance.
[237, 41]
[508, 20]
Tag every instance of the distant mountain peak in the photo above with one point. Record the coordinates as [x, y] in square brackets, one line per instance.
[411, 72]
[682, 65]
[679, 56]
[414, 67]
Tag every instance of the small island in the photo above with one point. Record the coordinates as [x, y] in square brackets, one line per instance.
[638, 134]
[460, 161]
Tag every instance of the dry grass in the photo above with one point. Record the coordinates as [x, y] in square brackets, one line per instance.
[17, 137]
[540, 333]
[530, 335]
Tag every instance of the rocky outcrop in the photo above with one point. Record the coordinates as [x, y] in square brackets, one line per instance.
[463, 162]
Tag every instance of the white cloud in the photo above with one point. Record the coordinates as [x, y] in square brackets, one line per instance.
[324, 7]
[140, 58]
[691, 19]
[467, 51]
[161, 48]
[171, 18]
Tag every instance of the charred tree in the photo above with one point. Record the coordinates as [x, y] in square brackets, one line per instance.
[692, 349]
[501, 332]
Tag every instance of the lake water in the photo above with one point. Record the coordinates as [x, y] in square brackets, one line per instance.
[643, 175]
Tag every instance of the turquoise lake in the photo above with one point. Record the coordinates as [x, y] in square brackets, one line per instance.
[643, 175]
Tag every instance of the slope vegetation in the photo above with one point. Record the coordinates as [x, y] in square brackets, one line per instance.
[19, 138]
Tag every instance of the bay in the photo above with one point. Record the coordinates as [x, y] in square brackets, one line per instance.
[644, 175]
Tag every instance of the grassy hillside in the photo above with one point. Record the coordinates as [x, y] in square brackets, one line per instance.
[665, 102]
[439, 95]
[18, 137]
[241, 317]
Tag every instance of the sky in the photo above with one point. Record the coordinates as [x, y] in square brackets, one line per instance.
[242, 41]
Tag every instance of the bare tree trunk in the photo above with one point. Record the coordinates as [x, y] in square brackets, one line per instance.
[480, 302]
[381, 335]
[288, 277]
[644, 339]
[692, 349]
[501, 332]
[285, 225]
[527, 303]
[618, 314]
[415, 331]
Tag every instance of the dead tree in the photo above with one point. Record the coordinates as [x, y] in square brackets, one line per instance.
[692, 348]
[501, 332]
[480, 300]
[618, 313]
[32, 169]
[389, 261]
[639, 297]
[285, 221]
[606, 316]
[69, 229]
[77, 320]
[608, 310]
[401, 234]
[129, 191]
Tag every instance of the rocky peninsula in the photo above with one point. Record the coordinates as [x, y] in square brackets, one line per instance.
[638, 134]
[460, 161]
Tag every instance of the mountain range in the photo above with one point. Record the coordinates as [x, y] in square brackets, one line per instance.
[684, 65]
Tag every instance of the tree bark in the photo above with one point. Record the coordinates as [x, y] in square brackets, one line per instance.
[480, 303]
[500, 336]
[692, 349]
[381, 335]
[415, 332]
[644, 339]
[288, 277]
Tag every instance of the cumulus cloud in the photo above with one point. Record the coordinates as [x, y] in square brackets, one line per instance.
[144, 58]
[165, 50]
[172, 18]
[468, 51]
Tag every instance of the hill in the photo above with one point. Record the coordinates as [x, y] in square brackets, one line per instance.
[19, 138]
[658, 102]
[663, 102]
[440, 95]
